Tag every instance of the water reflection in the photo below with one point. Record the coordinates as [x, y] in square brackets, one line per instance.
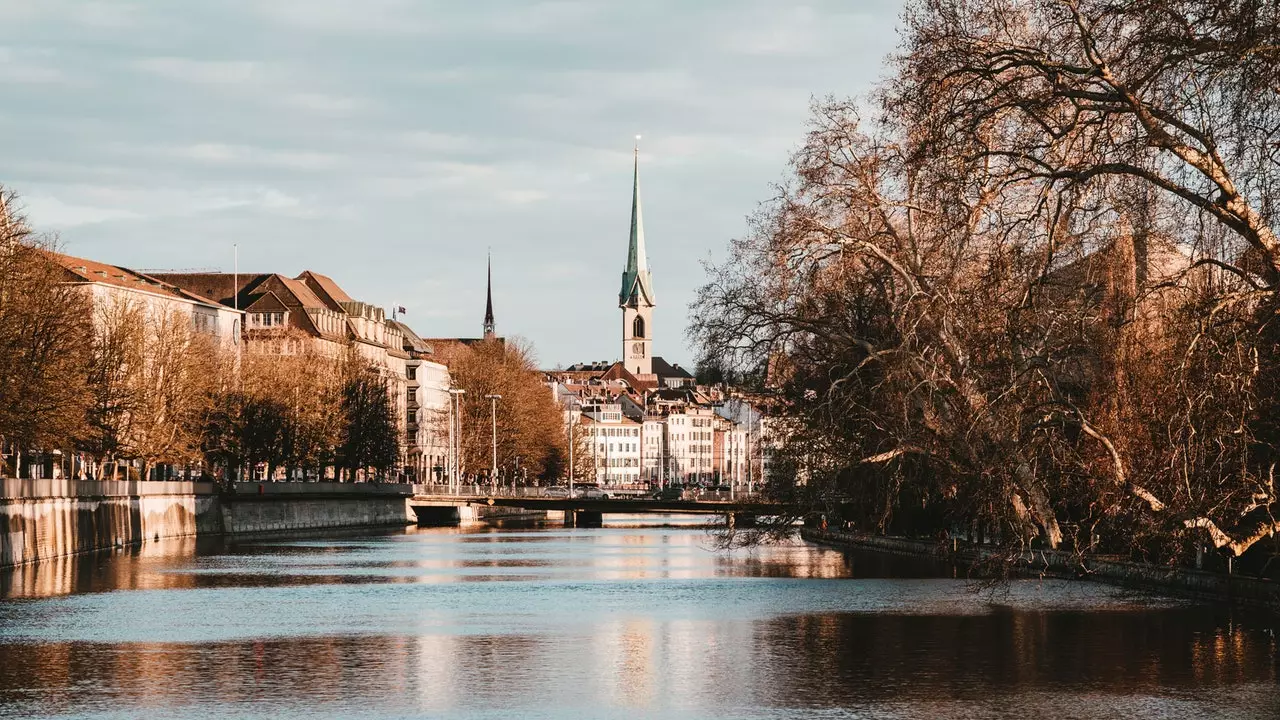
[613, 622]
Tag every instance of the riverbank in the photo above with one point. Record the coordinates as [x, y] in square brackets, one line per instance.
[1179, 581]
[45, 519]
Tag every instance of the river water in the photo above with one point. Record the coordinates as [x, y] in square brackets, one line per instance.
[627, 621]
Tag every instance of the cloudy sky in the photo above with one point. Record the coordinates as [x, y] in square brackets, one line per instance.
[391, 143]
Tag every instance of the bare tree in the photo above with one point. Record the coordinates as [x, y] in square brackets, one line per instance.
[530, 426]
[44, 341]
[116, 353]
[171, 386]
[1037, 296]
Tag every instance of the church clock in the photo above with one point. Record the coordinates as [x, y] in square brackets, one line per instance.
[638, 349]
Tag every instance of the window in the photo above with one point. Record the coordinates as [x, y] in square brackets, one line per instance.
[411, 373]
[203, 323]
[266, 320]
[637, 327]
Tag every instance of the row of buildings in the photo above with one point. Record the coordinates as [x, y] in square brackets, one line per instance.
[642, 421]
[637, 422]
[271, 313]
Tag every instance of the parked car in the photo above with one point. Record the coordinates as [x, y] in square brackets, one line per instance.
[590, 491]
[669, 493]
[556, 491]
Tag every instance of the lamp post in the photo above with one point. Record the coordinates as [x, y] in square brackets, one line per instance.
[493, 399]
[448, 462]
[571, 451]
[455, 441]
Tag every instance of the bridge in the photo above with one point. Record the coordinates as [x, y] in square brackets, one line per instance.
[442, 506]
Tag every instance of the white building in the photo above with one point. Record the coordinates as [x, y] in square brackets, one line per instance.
[614, 442]
[108, 286]
[426, 409]
[690, 441]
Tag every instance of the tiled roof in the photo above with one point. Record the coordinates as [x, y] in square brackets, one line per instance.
[85, 270]
[411, 338]
[305, 296]
[618, 371]
[326, 288]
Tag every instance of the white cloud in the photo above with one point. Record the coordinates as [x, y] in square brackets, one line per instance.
[521, 196]
[324, 104]
[107, 15]
[52, 212]
[242, 155]
[23, 66]
[438, 142]
[203, 72]
[64, 206]
[380, 17]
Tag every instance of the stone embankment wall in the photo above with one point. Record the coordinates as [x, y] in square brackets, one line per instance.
[42, 519]
[1182, 581]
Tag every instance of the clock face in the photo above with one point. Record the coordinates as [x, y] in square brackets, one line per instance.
[637, 348]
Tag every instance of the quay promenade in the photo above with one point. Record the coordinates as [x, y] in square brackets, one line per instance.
[44, 519]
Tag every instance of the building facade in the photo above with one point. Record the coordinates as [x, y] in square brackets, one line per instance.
[614, 442]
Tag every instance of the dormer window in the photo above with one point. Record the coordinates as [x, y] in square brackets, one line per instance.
[267, 320]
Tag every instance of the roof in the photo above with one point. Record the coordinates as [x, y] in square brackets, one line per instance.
[589, 367]
[663, 369]
[618, 371]
[305, 296]
[91, 271]
[325, 289]
[588, 420]
[260, 292]
[411, 339]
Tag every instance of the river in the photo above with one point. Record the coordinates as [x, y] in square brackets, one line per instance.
[632, 620]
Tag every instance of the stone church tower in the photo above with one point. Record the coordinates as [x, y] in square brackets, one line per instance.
[636, 296]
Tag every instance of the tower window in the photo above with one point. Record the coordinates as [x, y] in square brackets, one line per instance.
[637, 327]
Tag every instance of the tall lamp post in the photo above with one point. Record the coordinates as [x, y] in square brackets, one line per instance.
[493, 408]
[448, 461]
[455, 432]
[571, 451]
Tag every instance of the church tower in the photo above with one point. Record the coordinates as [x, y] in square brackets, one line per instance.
[490, 330]
[636, 296]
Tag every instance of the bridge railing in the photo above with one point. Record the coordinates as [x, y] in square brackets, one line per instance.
[478, 490]
[485, 490]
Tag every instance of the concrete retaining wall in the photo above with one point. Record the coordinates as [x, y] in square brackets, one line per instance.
[1182, 581]
[244, 515]
[43, 519]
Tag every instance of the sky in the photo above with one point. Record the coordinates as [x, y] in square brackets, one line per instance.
[391, 144]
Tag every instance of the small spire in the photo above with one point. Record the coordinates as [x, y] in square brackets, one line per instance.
[489, 329]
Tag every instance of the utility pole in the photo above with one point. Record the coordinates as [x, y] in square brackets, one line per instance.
[493, 399]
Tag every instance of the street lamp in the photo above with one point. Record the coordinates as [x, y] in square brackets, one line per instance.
[455, 430]
[571, 423]
[493, 407]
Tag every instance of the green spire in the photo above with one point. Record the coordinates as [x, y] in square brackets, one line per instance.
[636, 285]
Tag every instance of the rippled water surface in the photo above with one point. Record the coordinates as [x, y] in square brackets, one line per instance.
[627, 621]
